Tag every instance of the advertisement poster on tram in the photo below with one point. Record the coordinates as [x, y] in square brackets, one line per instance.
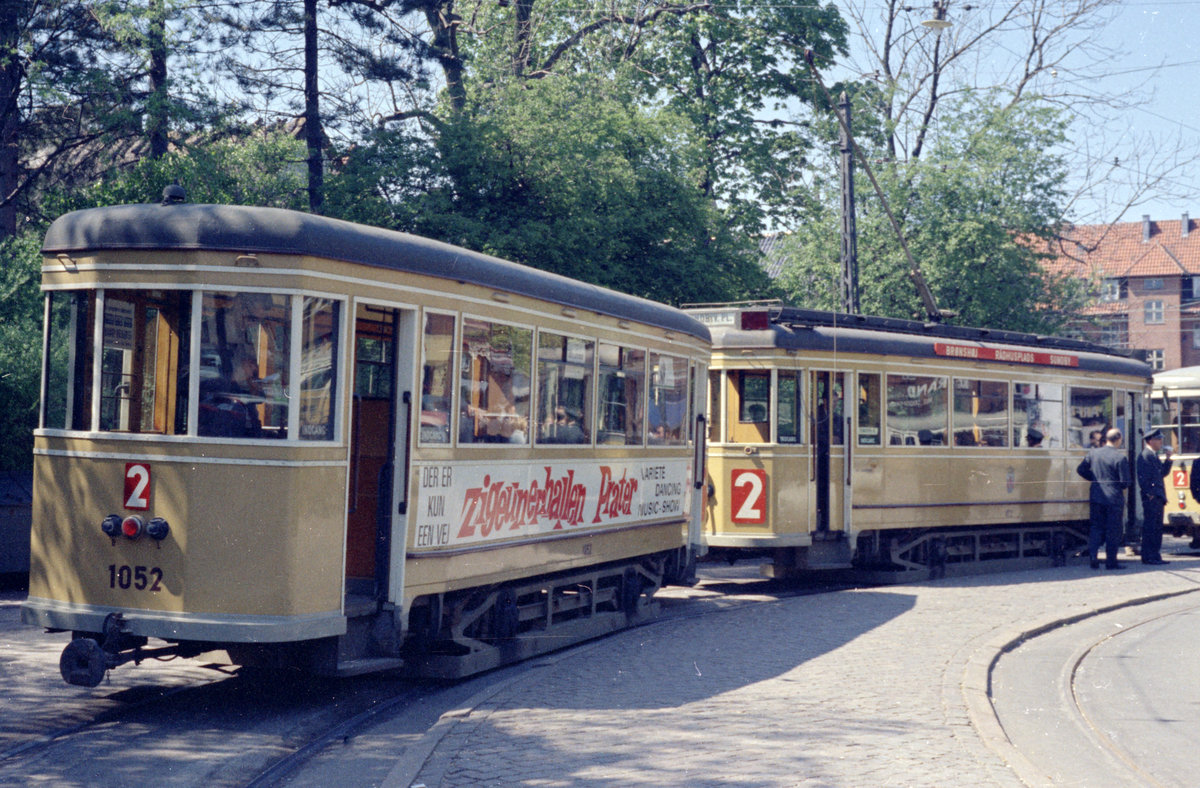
[471, 504]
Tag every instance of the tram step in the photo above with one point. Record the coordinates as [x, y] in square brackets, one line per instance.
[357, 667]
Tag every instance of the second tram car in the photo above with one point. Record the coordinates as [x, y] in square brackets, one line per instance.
[315, 444]
[889, 445]
[1175, 409]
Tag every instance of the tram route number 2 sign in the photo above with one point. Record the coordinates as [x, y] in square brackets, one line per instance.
[748, 496]
[137, 485]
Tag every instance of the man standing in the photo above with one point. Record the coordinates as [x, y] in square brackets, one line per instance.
[1107, 468]
[1150, 473]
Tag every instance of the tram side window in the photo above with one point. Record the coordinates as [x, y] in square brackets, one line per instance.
[318, 368]
[564, 380]
[1091, 415]
[1189, 425]
[916, 410]
[143, 359]
[68, 369]
[437, 382]
[668, 407]
[869, 409]
[714, 406]
[749, 400]
[244, 358]
[622, 377]
[494, 384]
[791, 409]
[1038, 407]
[980, 413]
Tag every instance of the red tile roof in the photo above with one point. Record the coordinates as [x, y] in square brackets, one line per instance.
[1118, 250]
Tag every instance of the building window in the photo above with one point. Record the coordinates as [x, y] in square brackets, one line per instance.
[1112, 290]
[1113, 335]
[1152, 284]
[1156, 359]
[1154, 311]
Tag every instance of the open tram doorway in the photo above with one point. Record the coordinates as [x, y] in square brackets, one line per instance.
[829, 476]
[376, 502]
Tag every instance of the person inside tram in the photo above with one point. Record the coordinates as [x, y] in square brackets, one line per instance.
[1033, 438]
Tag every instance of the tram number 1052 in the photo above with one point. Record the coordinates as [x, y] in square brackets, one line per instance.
[433, 535]
[136, 577]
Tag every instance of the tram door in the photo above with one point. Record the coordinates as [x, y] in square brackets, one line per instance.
[828, 427]
[378, 434]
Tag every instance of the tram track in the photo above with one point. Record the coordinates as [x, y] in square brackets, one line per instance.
[234, 730]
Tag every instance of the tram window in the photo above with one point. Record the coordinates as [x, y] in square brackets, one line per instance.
[437, 382]
[916, 409]
[868, 409]
[980, 413]
[1091, 414]
[318, 368]
[749, 399]
[1037, 406]
[495, 382]
[838, 424]
[791, 409]
[68, 369]
[143, 358]
[564, 381]
[622, 377]
[714, 406]
[668, 408]
[244, 358]
[1189, 425]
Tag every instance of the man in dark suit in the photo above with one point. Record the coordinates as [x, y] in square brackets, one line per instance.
[1150, 473]
[1107, 468]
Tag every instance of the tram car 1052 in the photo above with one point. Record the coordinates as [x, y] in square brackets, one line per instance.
[313, 444]
[901, 448]
[1175, 409]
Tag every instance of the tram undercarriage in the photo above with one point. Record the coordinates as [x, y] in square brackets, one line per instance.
[462, 633]
[916, 554]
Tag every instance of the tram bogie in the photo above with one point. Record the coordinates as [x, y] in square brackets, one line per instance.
[316, 445]
[897, 448]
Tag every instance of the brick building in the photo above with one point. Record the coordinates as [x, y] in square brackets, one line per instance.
[1147, 281]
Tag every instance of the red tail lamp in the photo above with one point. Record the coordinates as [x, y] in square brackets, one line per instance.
[132, 527]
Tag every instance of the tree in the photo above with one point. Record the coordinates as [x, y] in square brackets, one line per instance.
[20, 347]
[735, 71]
[973, 211]
[1028, 51]
[565, 174]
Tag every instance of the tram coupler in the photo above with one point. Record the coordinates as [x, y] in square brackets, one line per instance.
[85, 660]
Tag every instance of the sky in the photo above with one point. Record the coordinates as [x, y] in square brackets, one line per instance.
[1150, 47]
[1163, 42]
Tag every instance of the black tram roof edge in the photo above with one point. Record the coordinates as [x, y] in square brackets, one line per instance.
[794, 328]
[260, 230]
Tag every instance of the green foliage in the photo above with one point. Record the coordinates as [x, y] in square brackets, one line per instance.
[20, 347]
[973, 213]
[256, 168]
[564, 174]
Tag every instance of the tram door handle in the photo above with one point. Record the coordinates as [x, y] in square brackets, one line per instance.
[812, 434]
[356, 419]
[406, 469]
[849, 449]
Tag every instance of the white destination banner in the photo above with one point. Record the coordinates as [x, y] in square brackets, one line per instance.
[461, 505]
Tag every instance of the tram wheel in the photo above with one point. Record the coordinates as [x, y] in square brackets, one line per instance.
[83, 663]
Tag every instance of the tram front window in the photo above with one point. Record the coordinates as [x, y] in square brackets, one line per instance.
[68, 368]
[142, 353]
[244, 357]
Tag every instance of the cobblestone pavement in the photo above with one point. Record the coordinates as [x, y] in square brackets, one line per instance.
[870, 687]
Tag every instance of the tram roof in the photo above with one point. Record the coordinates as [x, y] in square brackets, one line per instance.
[258, 230]
[791, 328]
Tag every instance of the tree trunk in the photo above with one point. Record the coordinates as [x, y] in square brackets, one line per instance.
[313, 135]
[157, 113]
[12, 74]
